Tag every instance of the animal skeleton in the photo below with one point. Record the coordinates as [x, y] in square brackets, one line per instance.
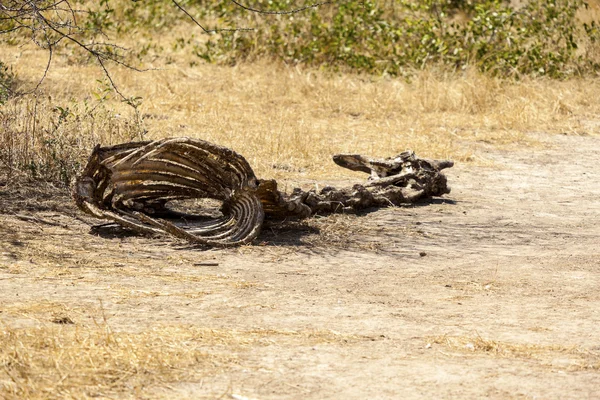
[132, 184]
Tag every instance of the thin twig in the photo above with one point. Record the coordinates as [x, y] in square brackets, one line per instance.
[297, 10]
[39, 220]
[209, 30]
[52, 22]
[50, 51]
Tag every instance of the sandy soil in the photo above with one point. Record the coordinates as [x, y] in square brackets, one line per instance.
[490, 292]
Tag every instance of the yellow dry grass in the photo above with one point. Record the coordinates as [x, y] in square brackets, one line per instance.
[60, 356]
[68, 361]
[560, 356]
[288, 121]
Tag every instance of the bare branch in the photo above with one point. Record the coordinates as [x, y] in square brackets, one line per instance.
[109, 77]
[209, 30]
[12, 30]
[48, 31]
[191, 17]
[51, 22]
[297, 10]
[50, 52]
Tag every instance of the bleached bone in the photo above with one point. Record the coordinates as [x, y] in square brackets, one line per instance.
[397, 180]
[132, 184]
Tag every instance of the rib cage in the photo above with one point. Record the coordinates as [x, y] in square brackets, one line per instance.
[131, 183]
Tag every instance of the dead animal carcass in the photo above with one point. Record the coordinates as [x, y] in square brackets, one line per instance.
[133, 184]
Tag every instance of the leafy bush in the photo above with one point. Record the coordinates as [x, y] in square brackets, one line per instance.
[125, 16]
[539, 38]
[536, 37]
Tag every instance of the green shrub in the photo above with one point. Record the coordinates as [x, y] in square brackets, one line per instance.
[539, 38]
[396, 37]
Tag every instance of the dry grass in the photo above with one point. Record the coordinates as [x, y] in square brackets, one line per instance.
[60, 355]
[286, 121]
[571, 358]
[70, 361]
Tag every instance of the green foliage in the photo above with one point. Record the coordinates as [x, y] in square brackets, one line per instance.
[539, 38]
[127, 16]
[396, 37]
[100, 19]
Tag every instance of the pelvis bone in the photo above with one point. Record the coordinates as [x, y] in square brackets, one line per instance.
[132, 184]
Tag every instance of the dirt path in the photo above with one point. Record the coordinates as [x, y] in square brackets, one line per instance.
[492, 292]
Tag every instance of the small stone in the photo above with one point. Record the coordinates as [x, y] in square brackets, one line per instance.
[63, 320]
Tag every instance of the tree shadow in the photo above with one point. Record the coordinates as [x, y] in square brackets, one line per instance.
[287, 233]
[274, 232]
[438, 200]
[112, 230]
[421, 203]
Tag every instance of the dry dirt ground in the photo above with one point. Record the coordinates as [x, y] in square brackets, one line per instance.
[490, 292]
